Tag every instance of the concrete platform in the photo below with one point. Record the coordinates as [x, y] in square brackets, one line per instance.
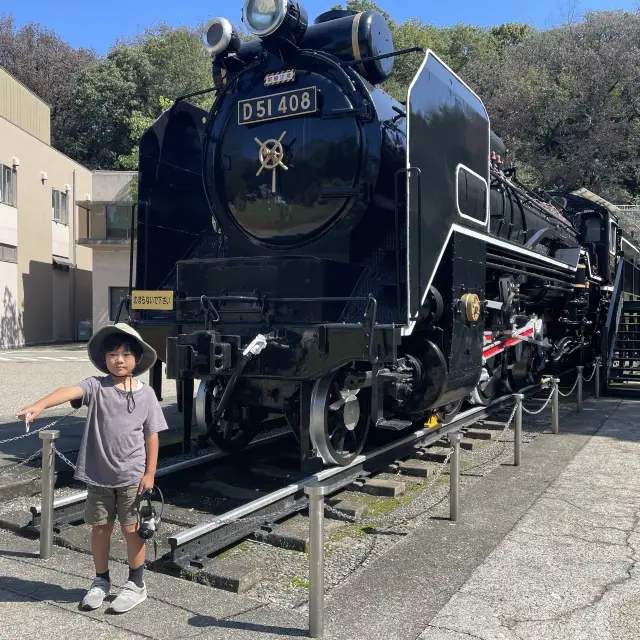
[547, 550]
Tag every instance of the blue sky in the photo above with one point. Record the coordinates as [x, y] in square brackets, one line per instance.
[98, 24]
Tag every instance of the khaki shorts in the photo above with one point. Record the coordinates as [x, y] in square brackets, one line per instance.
[103, 503]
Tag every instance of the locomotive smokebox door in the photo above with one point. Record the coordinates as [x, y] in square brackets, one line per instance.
[447, 170]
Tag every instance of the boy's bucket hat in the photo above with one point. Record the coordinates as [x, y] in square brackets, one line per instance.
[94, 348]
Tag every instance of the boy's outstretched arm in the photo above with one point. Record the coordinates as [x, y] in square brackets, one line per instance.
[152, 444]
[59, 396]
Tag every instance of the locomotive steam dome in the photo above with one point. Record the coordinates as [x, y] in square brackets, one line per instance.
[287, 154]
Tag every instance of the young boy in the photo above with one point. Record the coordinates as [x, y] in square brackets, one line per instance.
[118, 453]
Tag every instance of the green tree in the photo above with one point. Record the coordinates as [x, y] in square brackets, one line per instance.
[567, 101]
[131, 85]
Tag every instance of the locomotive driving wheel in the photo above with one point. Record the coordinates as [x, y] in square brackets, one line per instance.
[339, 420]
[519, 367]
[490, 384]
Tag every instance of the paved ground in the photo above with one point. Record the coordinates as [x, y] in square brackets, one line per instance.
[569, 568]
[544, 551]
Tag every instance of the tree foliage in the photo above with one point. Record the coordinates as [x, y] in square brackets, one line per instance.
[47, 65]
[567, 100]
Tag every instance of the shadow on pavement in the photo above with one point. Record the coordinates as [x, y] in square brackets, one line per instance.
[202, 622]
[17, 554]
[32, 590]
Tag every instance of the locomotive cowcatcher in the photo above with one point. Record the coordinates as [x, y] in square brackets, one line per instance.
[345, 262]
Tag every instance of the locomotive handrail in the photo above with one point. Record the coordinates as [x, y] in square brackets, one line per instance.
[393, 54]
[196, 93]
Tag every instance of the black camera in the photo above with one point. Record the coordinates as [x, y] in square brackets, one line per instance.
[148, 519]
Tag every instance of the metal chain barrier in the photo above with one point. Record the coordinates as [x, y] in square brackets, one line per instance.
[31, 433]
[593, 373]
[22, 463]
[495, 445]
[575, 384]
[543, 407]
[63, 457]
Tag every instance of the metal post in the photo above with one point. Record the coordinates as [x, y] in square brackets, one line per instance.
[316, 493]
[517, 439]
[555, 409]
[454, 476]
[46, 506]
[597, 378]
[579, 400]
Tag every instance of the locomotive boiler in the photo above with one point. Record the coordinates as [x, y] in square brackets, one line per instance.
[340, 259]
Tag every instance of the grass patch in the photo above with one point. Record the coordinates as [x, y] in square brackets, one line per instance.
[299, 582]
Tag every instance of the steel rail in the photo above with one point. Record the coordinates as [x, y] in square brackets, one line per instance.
[419, 438]
[81, 496]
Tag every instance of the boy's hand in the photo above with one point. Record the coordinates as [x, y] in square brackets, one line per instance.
[147, 482]
[34, 410]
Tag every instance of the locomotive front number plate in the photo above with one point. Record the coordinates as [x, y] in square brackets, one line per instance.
[157, 300]
[278, 105]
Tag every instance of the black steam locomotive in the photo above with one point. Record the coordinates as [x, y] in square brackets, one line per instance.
[346, 261]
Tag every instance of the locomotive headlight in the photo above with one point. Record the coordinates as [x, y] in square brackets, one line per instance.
[219, 35]
[265, 17]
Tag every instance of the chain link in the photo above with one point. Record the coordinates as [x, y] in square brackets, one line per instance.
[31, 433]
[593, 373]
[64, 458]
[575, 384]
[542, 408]
[22, 463]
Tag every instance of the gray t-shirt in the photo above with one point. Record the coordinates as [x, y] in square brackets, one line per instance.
[112, 451]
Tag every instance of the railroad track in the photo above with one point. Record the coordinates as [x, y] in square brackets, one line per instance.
[189, 537]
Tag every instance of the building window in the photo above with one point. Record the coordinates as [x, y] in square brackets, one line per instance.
[7, 185]
[118, 222]
[59, 206]
[116, 296]
[8, 253]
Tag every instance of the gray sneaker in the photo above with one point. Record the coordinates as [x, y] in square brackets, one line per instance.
[98, 591]
[129, 597]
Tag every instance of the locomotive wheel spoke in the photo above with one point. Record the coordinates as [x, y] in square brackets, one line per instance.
[339, 421]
